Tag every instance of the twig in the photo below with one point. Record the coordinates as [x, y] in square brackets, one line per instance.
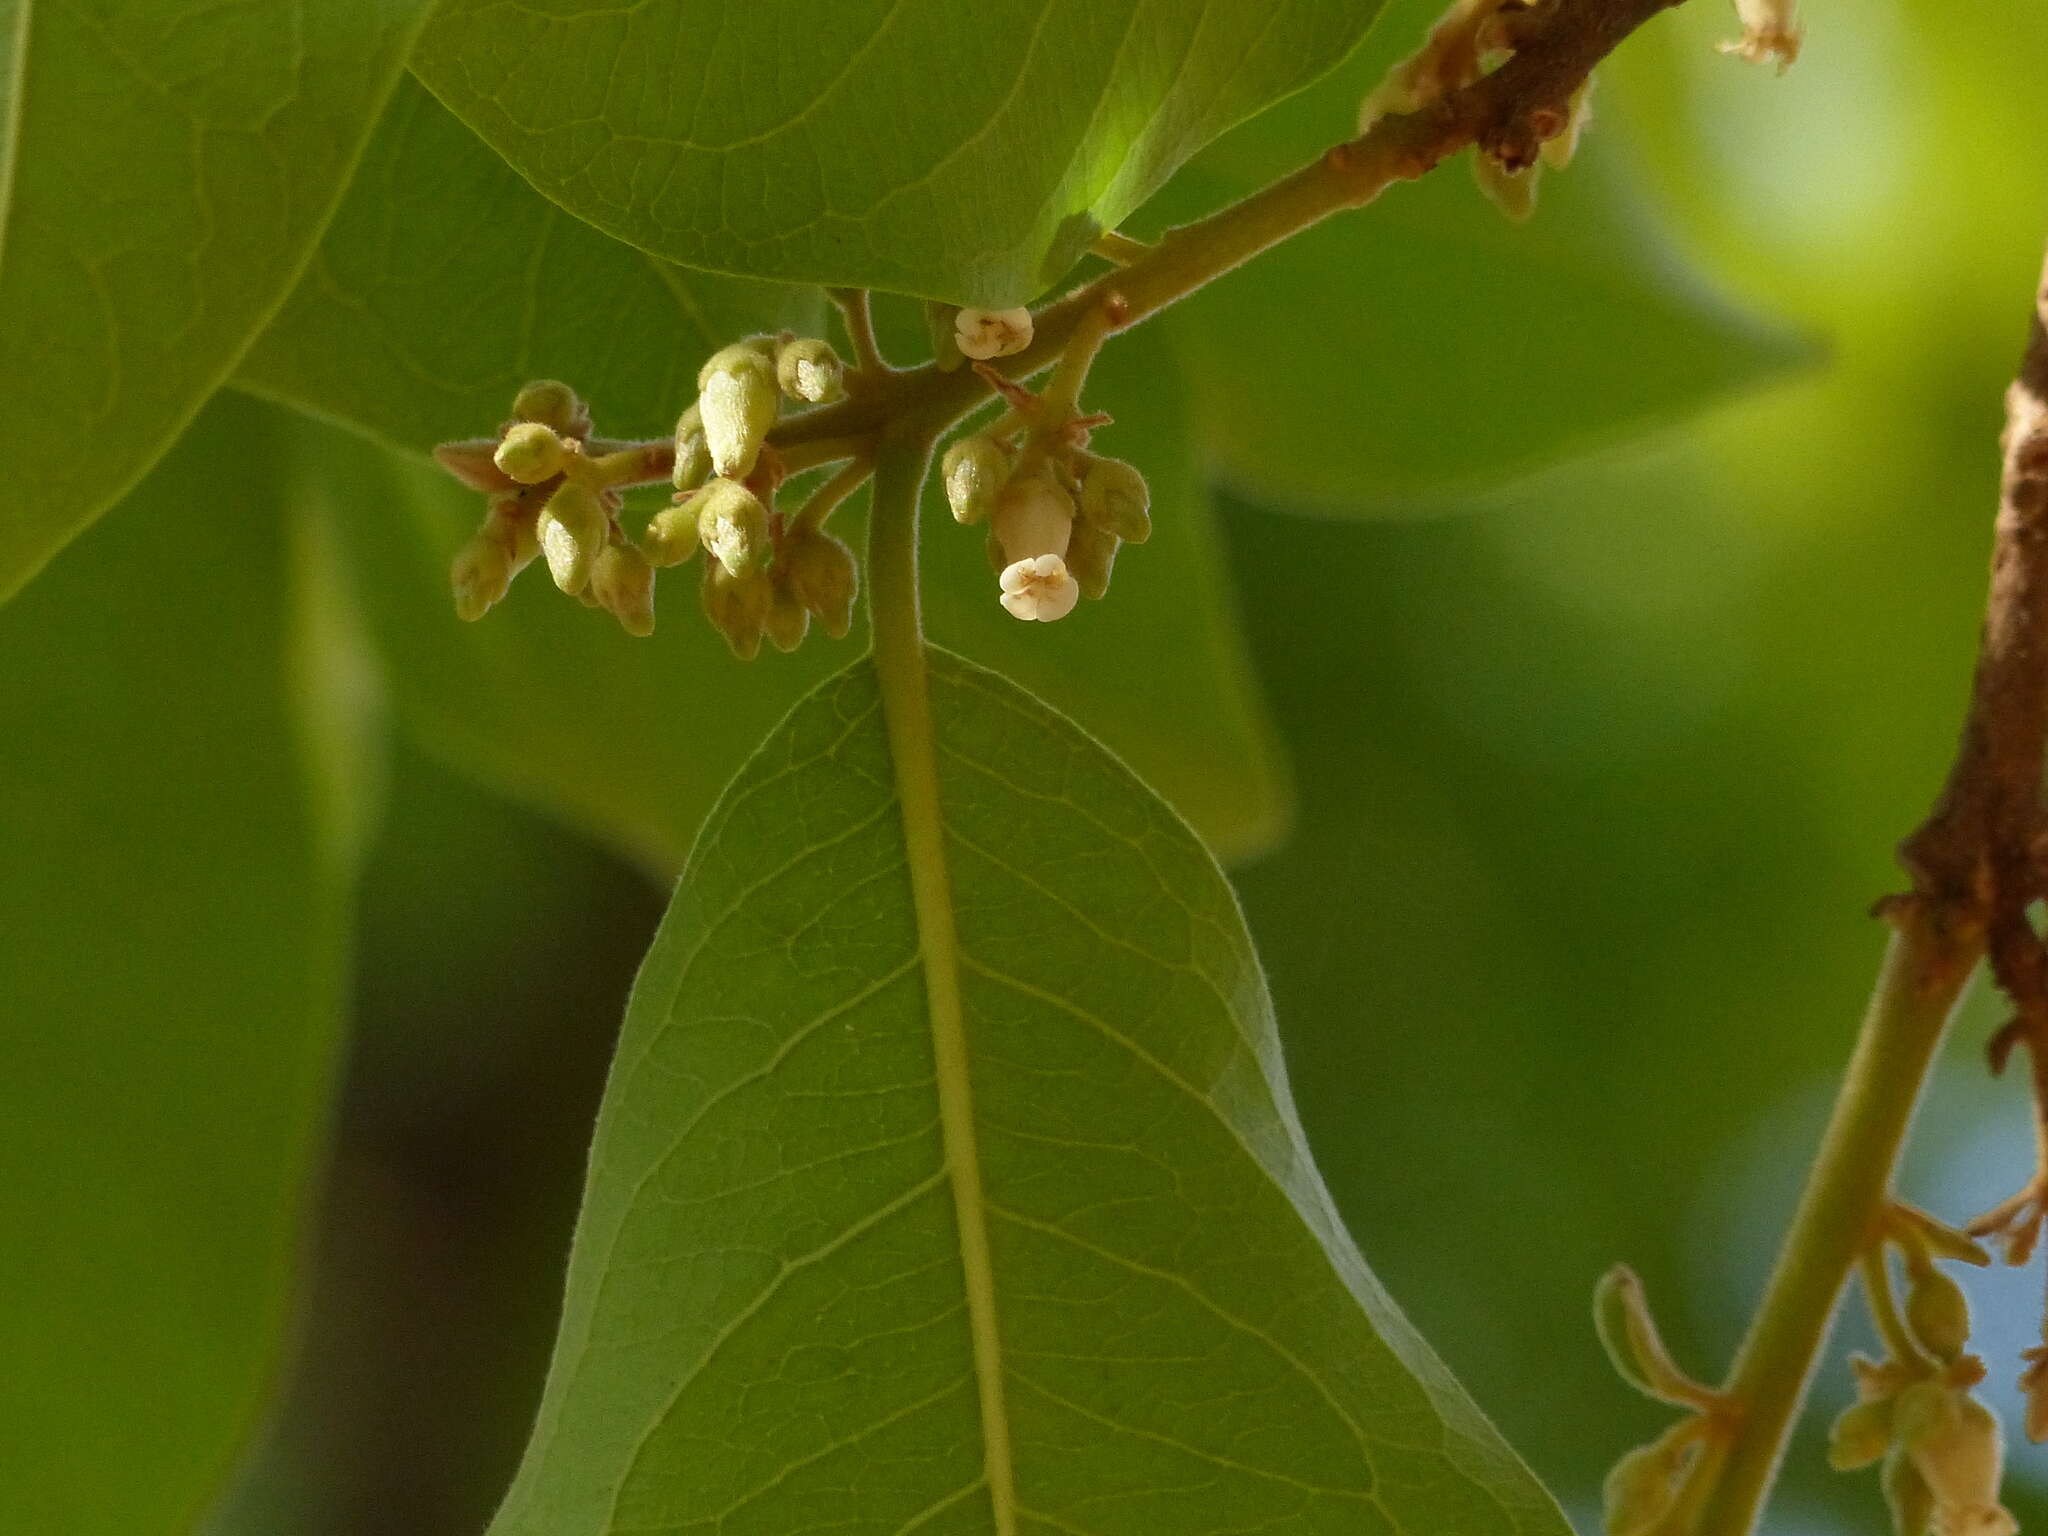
[859, 320]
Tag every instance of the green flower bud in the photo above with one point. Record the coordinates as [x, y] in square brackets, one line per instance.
[553, 404]
[974, 470]
[1860, 1436]
[809, 370]
[737, 398]
[1939, 1314]
[573, 529]
[737, 606]
[1640, 1490]
[531, 453]
[671, 536]
[787, 618]
[623, 583]
[693, 459]
[1114, 496]
[1091, 556]
[480, 577]
[1907, 1495]
[822, 574]
[733, 525]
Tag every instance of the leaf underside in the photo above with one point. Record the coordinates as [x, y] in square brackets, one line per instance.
[164, 171]
[960, 152]
[767, 1320]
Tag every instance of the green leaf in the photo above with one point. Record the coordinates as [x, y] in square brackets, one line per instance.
[961, 152]
[164, 171]
[1425, 347]
[171, 895]
[444, 283]
[782, 1314]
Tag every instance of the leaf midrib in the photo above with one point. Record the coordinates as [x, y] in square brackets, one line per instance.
[10, 123]
[902, 673]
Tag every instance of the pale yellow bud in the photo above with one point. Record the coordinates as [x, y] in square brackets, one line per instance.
[732, 525]
[984, 334]
[822, 574]
[737, 398]
[511, 528]
[671, 536]
[553, 404]
[623, 583]
[480, 577]
[531, 453]
[1639, 1490]
[1032, 517]
[1559, 150]
[1939, 1314]
[693, 459]
[1091, 557]
[1512, 192]
[809, 370]
[1961, 1454]
[786, 619]
[1906, 1493]
[573, 529]
[1114, 496]
[737, 606]
[974, 470]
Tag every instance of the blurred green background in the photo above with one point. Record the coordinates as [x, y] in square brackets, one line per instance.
[1596, 772]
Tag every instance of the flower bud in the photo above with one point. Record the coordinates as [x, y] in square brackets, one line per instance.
[573, 529]
[737, 398]
[809, 370]
[531, 453]
[1512, 192]
[1559, 150]
[989, 333]
[623, 583]
[553, 404]
[1860, 1436]
[1114, 496]
[1939, 1314]
[1906, 1493]
[1091, 556]
[821, 572]
[671, 536]
[787, 618]
[1960, 1454]
[1032, 517]
[1039, 589]
[974, 470]
[510, 527]
[693, 459]
[1640, 1490]
[480, 576]
[737, 606]
[733, 525]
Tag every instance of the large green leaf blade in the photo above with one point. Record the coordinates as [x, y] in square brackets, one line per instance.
[445, 282]
[170, 983]
[961, 152]
[768, 1320]
[164, 170]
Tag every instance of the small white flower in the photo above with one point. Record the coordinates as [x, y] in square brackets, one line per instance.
[986, 333]
[1770, 30]
[1040, 588]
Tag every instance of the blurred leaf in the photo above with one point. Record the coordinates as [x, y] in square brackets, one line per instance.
[445, 282]
[172, 901]
[164, 170]
[1426, 345]
[772, 1258]
[961, 152]
[633, 738]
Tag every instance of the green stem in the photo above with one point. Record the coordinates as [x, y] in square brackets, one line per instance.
[1926, 967]
[1884, 1308]
[900, 667]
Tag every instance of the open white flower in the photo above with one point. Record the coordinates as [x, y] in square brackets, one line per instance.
[1040, 588]
[986, 333]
